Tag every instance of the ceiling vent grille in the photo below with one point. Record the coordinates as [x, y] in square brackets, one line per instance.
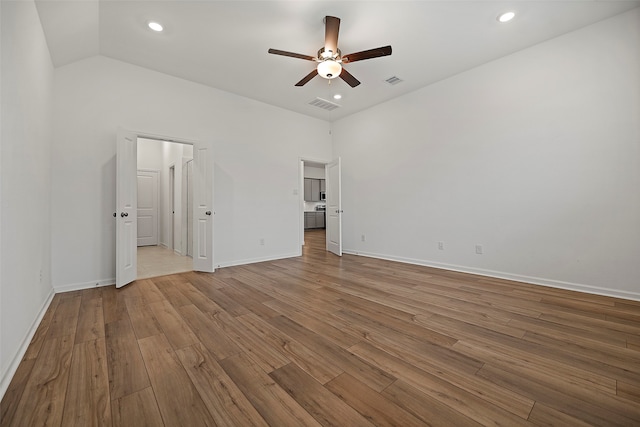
[394, 80]
[324, 104]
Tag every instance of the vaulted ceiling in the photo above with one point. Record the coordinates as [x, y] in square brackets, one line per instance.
[223, 44]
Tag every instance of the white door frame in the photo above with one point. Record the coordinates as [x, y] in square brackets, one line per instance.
[301, 162]
[146, 135]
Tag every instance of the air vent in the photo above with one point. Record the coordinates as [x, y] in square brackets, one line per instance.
[394, 80]
[324, 104]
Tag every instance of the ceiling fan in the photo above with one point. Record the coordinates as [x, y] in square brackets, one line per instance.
[330, 59]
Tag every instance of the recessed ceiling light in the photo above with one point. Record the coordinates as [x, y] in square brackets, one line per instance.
[506, 17]
[337, 96]
[155, 26]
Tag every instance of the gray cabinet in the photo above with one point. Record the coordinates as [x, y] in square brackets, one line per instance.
[309, 220]
[315, 190]
[314, 220]
[312, 189]
[307, 189]
[323, 185]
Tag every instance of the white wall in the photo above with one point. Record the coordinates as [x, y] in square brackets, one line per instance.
[256, 146]
[535, 156]
[25, 173]
[313, 172]
[150, 154]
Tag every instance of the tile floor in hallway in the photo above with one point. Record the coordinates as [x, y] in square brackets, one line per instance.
[159, 261]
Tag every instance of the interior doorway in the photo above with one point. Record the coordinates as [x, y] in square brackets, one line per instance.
[321, 202]
[171, 254]
[126, 264]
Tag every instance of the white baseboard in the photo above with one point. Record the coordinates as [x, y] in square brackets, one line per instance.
[85, 285]
[255, 260]
[507, 276]
[7, 376]
[112, 281]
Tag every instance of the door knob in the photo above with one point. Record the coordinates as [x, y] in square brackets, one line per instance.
[208, 212]
[123, 214]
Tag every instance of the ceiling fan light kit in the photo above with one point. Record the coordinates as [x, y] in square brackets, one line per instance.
[329, 69]
[330, 58]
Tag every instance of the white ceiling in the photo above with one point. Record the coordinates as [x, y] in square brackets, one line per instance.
[223, 44]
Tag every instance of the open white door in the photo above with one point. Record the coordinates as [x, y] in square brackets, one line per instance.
[203, 208]
[126, 208]
[333, 176]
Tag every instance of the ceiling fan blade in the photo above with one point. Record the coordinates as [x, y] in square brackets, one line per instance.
[307, 78]
[367, 54]
[331, 29]
[348, 78]
[291, 54]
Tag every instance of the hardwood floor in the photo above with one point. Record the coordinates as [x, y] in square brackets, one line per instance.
[323, 340]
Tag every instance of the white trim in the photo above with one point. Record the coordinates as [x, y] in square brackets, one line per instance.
[255, 260]
[85, 285]
[157, 137]
[7, 376]
[616, 293]
[110, 282]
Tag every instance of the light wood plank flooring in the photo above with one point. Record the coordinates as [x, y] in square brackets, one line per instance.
[322, 340]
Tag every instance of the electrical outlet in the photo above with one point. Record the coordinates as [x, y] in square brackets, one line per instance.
[479, 249]
[362, 238]
[261, 242]
[441, 246]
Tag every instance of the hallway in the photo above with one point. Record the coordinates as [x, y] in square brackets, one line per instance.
[156, 261]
